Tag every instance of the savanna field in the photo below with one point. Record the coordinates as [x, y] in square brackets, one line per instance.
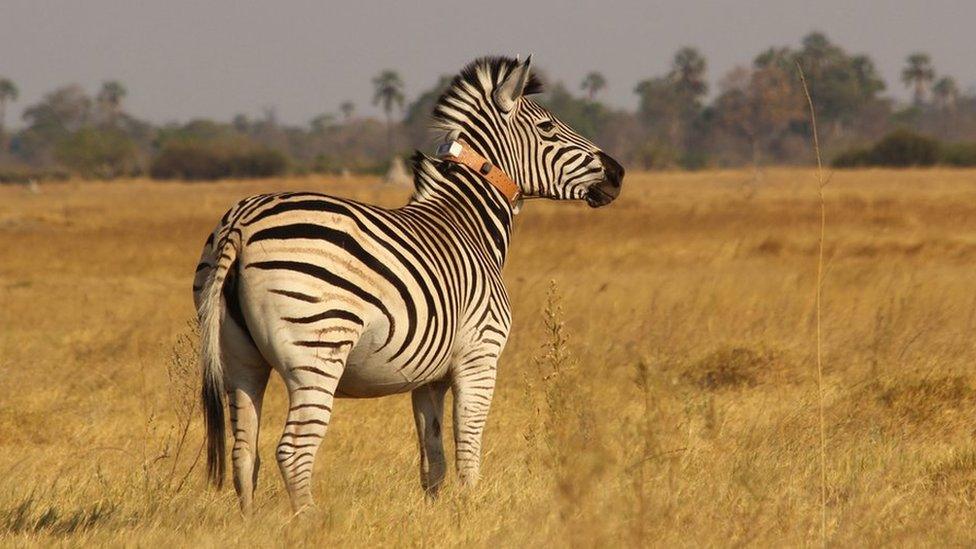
[659, 387]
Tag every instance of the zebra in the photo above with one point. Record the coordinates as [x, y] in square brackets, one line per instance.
[349, 300]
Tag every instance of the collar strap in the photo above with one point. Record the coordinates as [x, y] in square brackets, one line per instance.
[456, 151]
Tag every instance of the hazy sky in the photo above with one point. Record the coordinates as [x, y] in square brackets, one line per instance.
[182, 59]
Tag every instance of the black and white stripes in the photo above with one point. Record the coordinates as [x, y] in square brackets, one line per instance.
[345, 299]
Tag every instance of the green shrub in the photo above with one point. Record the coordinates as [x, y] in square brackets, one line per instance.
[193, 160]
[325, 164]
[98, 153]
[853, 158]
[693, 160]
[898, 149]
[903, 148]
[24, 174]
[655, 156]
[259, 162]
[959, 154]
[187, 161]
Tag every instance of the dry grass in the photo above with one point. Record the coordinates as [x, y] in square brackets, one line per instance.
[671, 402]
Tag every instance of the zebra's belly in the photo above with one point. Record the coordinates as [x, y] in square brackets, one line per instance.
[370, 373]
[373, 377]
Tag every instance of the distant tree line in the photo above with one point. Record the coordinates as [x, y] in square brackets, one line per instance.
[755, 116]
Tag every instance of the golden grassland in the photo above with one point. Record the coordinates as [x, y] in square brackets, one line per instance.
[671, 401]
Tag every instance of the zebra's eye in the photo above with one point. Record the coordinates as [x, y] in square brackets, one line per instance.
[546, 126]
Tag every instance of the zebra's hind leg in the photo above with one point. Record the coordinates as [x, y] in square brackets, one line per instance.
[428, 413]
[246, 377]
[311, 378]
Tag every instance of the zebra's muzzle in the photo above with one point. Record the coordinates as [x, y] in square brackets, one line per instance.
[605, 191]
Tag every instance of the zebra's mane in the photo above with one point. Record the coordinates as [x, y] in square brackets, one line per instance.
[483, 75]
[492, 69]
[425, 175]
[433, 176]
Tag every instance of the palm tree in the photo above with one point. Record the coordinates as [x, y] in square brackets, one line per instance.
[321, 123]
[946, 92]
[347, 108]
[918, 73]
[8, 93]
[593, 83]
[110, 97]
[389, 93]
[688, 71]
[241, 123]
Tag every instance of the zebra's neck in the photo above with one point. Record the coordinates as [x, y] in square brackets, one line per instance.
[492, 153]
[462, 196]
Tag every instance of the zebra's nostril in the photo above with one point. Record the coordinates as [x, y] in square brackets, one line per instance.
[613, 171]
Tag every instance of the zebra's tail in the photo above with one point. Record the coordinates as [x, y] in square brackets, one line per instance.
[209, 313]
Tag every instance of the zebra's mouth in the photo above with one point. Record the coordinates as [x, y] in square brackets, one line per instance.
[597, 196]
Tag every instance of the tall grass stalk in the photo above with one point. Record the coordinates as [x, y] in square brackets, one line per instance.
[821, 183]
[572, 440]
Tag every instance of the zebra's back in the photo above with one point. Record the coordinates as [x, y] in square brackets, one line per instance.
[401, 288]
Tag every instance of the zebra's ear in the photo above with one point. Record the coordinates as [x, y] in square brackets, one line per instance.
[511, 89]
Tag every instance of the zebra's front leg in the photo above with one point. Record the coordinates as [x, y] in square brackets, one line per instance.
[311, 388]
[428, 413]
[473, 387]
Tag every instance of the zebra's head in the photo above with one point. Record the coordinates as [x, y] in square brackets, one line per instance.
[488, 106]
